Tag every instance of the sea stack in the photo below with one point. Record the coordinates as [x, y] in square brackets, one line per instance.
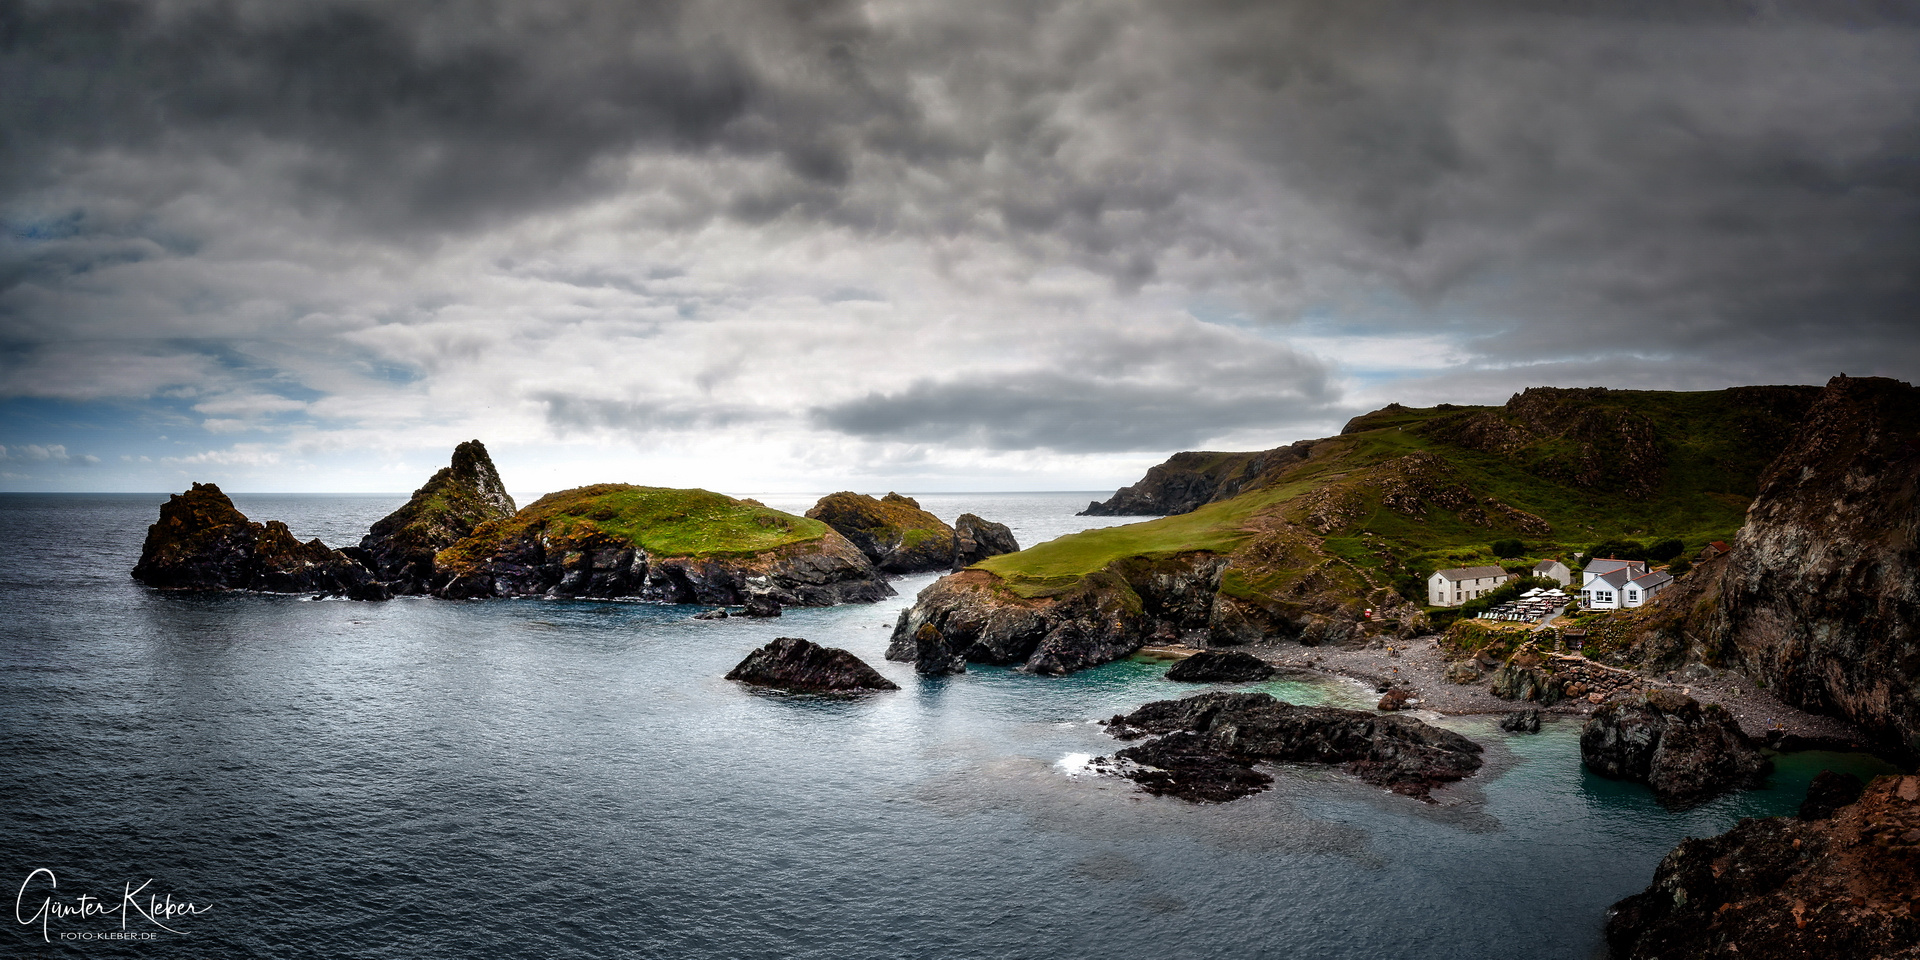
[446, 510]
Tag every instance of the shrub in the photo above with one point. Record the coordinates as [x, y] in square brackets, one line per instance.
[1680, 567]
[1665, 550]
[1508, 548]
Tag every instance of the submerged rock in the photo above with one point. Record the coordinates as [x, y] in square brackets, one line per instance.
[1686, 753]
[1787, 889]
[976, 539]
[1521, 721]
[445, 510]
[202, 542]
[1828, 793]
[1213, 739]
[1395, 698]
[791, 663]
[1221, 666]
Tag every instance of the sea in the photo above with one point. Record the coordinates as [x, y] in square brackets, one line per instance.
[244, 775]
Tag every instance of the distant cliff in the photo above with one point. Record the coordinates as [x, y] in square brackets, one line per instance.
[1188, 481]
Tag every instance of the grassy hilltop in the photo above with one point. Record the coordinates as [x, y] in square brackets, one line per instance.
[1402, 491]
[659, 520]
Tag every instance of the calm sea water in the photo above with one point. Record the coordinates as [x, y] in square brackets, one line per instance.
[544, 779]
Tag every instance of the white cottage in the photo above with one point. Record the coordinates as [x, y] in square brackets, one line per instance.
[1620, 584]
[1451, 588]
[1555, 570]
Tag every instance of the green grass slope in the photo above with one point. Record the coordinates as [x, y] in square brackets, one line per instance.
[660, 520]
[1405, 490]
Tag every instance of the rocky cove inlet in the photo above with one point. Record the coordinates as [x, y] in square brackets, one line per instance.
[422, 778]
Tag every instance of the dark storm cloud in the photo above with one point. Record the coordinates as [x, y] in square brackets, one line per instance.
[1057, 411]
[1713, 189]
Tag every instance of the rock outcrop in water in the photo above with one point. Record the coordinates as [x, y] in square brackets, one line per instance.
[975, 539]
[1221, 666]
[792, 663]
[970, 616]
[202, 542]
[1788, 889]
[1207, 746]
[653, 543]
[444, 511]
[1684, 752]
[901, 538]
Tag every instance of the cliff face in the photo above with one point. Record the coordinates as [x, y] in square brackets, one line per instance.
[1820, 597]
[1190, 480]
[444, 511]
[203, 542]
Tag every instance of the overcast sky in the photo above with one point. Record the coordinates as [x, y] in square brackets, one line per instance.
[760, 246]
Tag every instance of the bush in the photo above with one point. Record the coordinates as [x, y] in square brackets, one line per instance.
[1508, 548]
[1615, 549]
[1680, 567]
[1665, 550]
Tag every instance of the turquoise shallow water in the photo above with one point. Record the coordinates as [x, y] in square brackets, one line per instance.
[542, 779]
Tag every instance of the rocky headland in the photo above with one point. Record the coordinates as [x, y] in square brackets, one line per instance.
[202, 542]
[1205, 747]
[1841, 882]
[1684, 752]
[654, 543]
[1819, 598]
[401, 546]
[802, 666]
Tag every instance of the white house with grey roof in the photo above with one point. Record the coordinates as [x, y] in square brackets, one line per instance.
[1555, 571]
[1620, 584]
[1451, 588]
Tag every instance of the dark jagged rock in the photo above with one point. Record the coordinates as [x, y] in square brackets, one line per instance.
[976, 539]
[717, 613]
[1787, 889]
[1108, 617]
[1218, 732]
[1521, 721]
[761, 605]
[1828, 792]
[1221, 666]
[445, 510]
[1515, 681]
[1686, 753]
[653, 543]
[203, 543]
[1820, 597]
[892, 531]
[791, 663]
[1188, 481]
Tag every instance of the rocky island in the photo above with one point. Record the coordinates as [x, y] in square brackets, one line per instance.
[802, 666]
[459, 537]
[901, 538]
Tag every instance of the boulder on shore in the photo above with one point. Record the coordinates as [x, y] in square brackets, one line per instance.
[1685, 752]
[444, 511]
[792, 663]
[1521, 721]
[1783, 889]
[1209, 743]
[202, 542]
[1221, 666]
